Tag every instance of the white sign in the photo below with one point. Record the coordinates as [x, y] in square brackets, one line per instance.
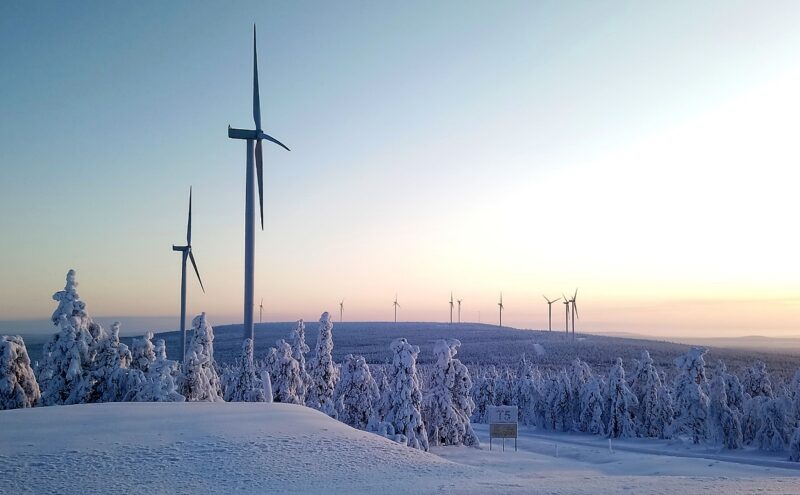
[502, 414]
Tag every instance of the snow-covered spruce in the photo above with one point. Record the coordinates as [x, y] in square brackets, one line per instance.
[200, 381]
[794, 446]
[323, 370]
[161, 383]
[723, 422]
[143, 352]
[297, 338]
[592, 404]
[286, 382]
[483, 394]
[773, 434]
[733, 387]
[402, 401]
[621, 401]
[663, 413]
[111, 378]
[67, 360]
[691, 401]
[18, 386]
[356, 393]
[646, 386]
[447, 404]
[579, 374]
[244, 385]
[560, 401]
[756, 381]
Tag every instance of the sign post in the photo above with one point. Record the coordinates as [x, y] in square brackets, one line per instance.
[503, 424]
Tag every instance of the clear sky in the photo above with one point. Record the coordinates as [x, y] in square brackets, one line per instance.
[645, 152]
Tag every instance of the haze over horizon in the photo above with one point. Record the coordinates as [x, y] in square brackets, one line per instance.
[645, 154]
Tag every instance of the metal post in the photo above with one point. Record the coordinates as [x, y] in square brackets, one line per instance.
[249, 243]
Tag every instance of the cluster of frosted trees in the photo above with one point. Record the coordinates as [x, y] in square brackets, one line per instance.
[84, 363]
[722, 410]
[395, 406]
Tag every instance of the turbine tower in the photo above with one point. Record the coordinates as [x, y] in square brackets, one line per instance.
[550, 312]
[186, 252]
[253, 138]
[574, 312]
[261, 310]
[396, 305]
[341, 310]
[459, 310]
[451, 307]
[500, 305]
[566, 303]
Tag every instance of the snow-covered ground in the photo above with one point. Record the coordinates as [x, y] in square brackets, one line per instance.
[281, 448]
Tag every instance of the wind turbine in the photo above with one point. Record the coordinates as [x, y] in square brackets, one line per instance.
[500, 304]
[261, 310]
[341, 310]
[186, 252]
[396, 305]
[459, 309]
[253, 138]
[550, 312]
[574, 312]
[566, 303]
[451, 307]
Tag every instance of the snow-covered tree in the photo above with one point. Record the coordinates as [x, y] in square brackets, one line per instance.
[483, 395]
[18, 386]
[356, 393]
[723, 422]
[161, 383]
[143, 353]
[691, 401]
[773, 434]
[286, 381]
[752, 417]
[621, 401]
[646, 386]
[579, 374]
[199, 380]
[592, 404]
[110, 378]
[733, 387]
[297, 338]
[663, 413]
[794, 446]
[403, 398]
[323, 370]
[756, 381]
[244, 385]
[504, 388]
[447, 404]
[560, 401]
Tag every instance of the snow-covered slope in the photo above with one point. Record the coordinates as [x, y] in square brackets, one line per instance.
[278, 448]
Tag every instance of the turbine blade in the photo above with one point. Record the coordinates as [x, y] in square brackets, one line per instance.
[194, 264]
[576, 294]
[189, 222]
[575, 308]
[260, 173]
[256, 99]
[554, 300]
[262, 135]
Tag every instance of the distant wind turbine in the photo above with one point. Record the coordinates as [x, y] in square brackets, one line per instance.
[396, 305]
[341, 310]
[566, 303]
[451, 307]
[574, 312]
[500, 305]
[459, 310]
[253, 137]
[186, 252]
[261, 310]
[550, 312]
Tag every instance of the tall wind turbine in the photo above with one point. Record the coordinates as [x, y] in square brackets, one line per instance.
[459, 310]
[566, 304]
[451, 307]
[500, 305]
[574, 312]
[186, 252]
[261, 310]
[341, 310]
[253, 138]
[550, 312]
[396, 305]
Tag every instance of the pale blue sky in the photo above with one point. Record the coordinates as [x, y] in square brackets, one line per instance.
[435, 147]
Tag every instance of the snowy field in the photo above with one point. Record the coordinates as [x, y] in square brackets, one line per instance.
[280, 448]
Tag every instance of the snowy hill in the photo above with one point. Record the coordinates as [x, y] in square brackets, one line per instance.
[278, 448]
